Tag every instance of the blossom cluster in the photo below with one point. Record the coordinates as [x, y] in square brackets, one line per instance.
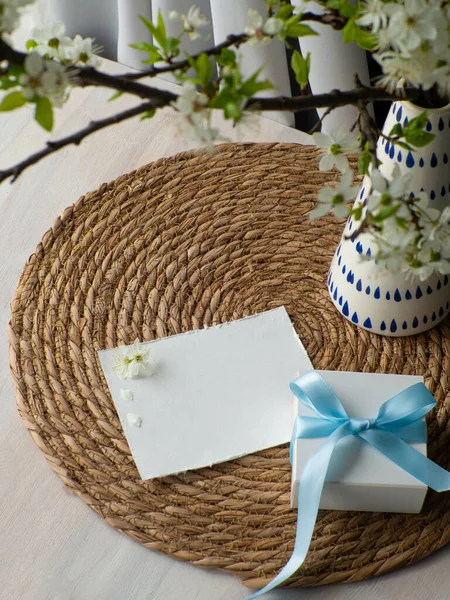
[412, 42]
[50, 42]
[44, 79]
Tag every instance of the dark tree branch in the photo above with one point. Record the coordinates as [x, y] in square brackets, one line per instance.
[334, 98]
[75, 138]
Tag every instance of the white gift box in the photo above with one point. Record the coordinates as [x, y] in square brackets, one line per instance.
[359, 476]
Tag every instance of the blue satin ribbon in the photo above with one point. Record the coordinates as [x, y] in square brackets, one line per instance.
[399, 420]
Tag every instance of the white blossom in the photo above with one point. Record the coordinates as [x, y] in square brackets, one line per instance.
[80, 51]
[127, 395]
[412, 23]
[273, 26]
[336, 199]
[190, 101]
[132, 361]
[375, 14]
[48, 39]
[44, 78]
[191, 22]
[255, 29]
[134, 420]
[336, 144]
[10, 13]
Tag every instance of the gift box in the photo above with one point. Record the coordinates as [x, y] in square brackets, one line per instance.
[360, 477]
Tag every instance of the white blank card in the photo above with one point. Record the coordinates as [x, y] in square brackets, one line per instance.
[213, 395]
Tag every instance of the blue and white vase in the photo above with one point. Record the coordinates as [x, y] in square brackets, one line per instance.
[380, 301]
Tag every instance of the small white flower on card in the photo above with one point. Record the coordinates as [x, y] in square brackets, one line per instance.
[134, 420]
[127, 395]
[132, 361]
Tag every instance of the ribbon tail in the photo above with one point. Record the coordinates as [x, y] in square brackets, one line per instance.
[309, 493]
[408, 458]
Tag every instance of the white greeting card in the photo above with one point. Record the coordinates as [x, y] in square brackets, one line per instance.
[212, 395]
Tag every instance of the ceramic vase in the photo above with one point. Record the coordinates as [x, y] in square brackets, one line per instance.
[390, 303]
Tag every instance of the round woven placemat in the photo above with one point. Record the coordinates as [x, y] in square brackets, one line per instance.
[187, 242]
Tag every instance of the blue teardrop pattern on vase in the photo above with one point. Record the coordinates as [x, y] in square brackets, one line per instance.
[368, 323]
[410, 160]
[399, 156]
[408, 295]
[392, 151]
[362, 193]
[345, 310]
[399, 114]
[383, 326]
[445, 158]
[433, 317]
[355, 318]
[439, 285]
[331, 287]
[368, 290]
[415, 323]
[405, 325]
[419, 293]
[359, 285]
[443, 191]
[339, 261]
[406, 121]
[335, 295]
[441, 124]
[359, 248]
[340, 300]
[429, 126]
[393, 327]
[351, 277]
[421, 164]
[377, 294]
[344, 268]
[441, 312]
[397, 296]
[429, 290]
[425, 320]
[387, 147]
[432, 194]
[388, 296]
[368, 252]
[434, 161]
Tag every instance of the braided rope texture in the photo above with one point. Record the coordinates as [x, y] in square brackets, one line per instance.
[187, 242]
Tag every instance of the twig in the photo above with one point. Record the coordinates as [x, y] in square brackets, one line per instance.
[75, 138]
[320, 121]
[232, 40]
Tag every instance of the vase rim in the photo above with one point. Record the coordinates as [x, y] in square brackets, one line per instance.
[433, 111]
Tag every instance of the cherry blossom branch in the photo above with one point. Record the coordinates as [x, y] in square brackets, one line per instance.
[75, 138]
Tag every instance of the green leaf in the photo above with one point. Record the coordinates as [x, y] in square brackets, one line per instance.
[364, 160]
[12, 101]
[251, 86]
[44, 113]
[301, 67]
[353, 33]
[396, 130]
[419, 139]
[31, 44]
[148, 114]
[284, 12]
[386, 212]
[203, 68]
[115, 96]
[232, 111]
[299, 30]
[227, 57]
[171, 46]
[6, 83]
[158, 33]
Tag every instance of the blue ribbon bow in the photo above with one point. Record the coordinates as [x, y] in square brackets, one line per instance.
[399, 420]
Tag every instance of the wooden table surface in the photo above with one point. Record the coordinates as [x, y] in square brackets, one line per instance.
[52, 546]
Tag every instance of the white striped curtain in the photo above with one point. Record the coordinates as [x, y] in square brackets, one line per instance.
[115, 25]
